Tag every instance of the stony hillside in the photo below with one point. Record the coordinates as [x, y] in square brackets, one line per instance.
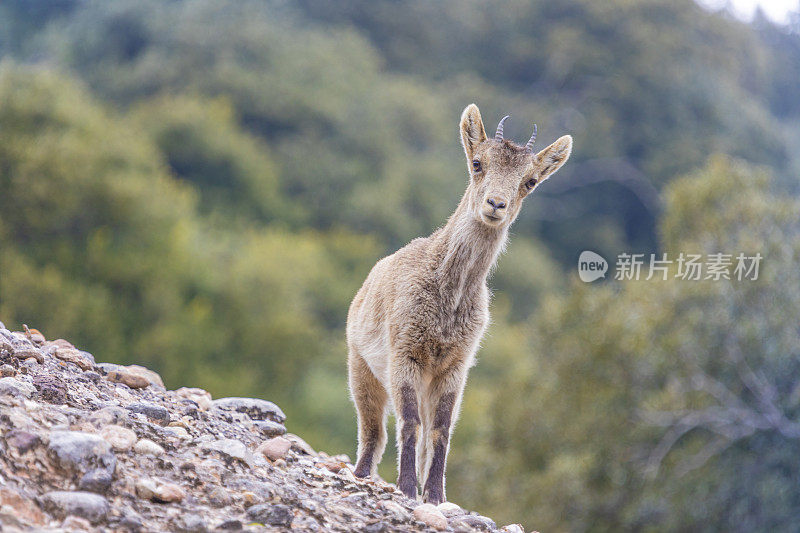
[89, 446]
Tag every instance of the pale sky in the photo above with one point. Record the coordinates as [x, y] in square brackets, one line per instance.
[776, 10]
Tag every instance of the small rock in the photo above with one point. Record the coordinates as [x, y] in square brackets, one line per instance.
[450, 509]
[105, 368]
[51, 389]
[250, 498]
[190, 523]
[148, 447]
[347, 474]
[16, 387]
[82, 452]
[199, 396]
[513, 528]
[473, 522]
[7, 371]
[151, 410]
[333, 466]
[271, 514]
[60, 343]
[230, 525]
[92, 507]
[268, 428]
[76, 523]
[22, 440]
[120, 438]
[34, 335]
[263, 490]
[146, 488]
[231, 448]
[98, 481]
[130, 379]
[275, 448]
[168, 493]
[431, 516]
[179, 432]
[377, 527]
[29, 352]
[131, 522]
[5, 346]
[84, 360]
[396, 510]
[108, 415]
[151, 376]
[219, 497]
[300, 445]
[255, 408]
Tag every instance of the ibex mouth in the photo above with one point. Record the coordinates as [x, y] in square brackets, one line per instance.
[491, 219]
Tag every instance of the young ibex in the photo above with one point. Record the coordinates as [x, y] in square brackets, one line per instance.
[415, 325]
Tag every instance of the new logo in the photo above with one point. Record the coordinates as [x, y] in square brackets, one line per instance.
[591, 266]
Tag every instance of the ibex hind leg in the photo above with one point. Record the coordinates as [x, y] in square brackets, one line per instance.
[370, 398]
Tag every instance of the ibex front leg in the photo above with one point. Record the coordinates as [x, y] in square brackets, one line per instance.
[405, 384]
[445, 397]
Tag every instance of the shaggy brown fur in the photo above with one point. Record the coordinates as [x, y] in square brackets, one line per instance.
[415, 325]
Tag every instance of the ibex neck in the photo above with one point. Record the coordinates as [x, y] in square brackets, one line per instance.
[469, 250]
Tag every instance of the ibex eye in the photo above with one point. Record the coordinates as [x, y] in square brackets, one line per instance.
[530, 183]
[476, 165]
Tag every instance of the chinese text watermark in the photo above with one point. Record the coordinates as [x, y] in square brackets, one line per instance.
[689, 267]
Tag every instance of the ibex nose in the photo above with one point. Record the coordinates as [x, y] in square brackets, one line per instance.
[497, 204]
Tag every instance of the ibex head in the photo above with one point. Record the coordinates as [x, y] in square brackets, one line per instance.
[503, 173]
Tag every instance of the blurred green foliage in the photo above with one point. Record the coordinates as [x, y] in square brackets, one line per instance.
[623, 369]
[202, 186]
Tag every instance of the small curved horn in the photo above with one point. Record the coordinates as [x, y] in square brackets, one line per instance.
[529, 145]
[498, 136]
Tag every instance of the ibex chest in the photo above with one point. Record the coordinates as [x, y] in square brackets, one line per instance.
[439, 327]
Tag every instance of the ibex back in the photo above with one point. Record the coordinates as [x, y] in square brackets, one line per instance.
[415, 325]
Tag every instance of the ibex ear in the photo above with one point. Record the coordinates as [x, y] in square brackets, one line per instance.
[472, 132]
[551, 158]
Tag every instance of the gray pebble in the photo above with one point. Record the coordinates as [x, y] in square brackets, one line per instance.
[151, 410]
[271, 514]
[255, 408]
[90, 506]
[51, 389]
[268, 428]
[83, 452]
[231, 448]
[131, 522]
[105, 368]
[190, 523]
[111, 415]
[472, 521]
[16, 387]
[98, 480]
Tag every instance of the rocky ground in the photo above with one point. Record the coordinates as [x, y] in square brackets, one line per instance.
[87, 446]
